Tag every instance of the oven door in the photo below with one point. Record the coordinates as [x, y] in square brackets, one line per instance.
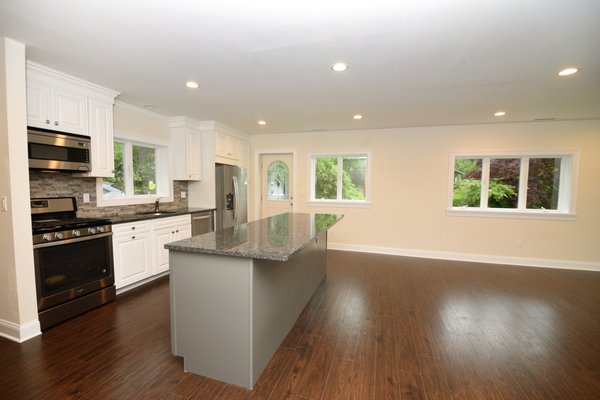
[72, 268]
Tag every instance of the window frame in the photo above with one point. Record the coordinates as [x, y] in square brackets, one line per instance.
[567, 189]
[339, 202]
[162, 169]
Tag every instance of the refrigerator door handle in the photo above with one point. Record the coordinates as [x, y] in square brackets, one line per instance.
[236, 199]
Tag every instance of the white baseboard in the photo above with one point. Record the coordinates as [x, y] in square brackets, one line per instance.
[481, 258]
[127, 288]
[20, 333]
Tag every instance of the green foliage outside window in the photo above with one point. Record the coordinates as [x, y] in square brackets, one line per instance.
[503, 192]
[353, 178]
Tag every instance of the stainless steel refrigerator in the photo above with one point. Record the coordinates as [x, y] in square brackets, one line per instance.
[231, 196]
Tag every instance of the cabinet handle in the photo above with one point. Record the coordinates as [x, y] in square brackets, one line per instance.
[56, 123]
[133, 227]
[47, 121]
[133, 237]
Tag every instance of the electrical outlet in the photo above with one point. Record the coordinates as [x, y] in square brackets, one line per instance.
[183, 195]
[86, 197]
[3, 204]
[520, 242]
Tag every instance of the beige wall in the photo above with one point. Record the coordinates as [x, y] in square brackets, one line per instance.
[18, 303]
[409, 191]
[149, 125]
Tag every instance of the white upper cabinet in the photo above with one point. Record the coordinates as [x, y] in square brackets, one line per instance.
[186, 153]
[231, 149]
[64, 103]
[101, 134]
[227, 146]
[55, 108]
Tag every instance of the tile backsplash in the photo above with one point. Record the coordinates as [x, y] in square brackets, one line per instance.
[57, 184]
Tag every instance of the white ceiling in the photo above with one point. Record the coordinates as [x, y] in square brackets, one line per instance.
[412, 63]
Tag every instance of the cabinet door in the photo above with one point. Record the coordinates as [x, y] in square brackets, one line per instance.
[131, 258]
[183, 232]
[68, 111]
[161, 255]
[233, 147]
[221, 148]
[101, 134]
[193, 151]
[38, 108]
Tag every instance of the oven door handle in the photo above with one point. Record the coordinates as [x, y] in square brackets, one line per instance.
[73, 240]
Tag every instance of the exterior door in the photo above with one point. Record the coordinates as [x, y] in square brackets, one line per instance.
[276, 184]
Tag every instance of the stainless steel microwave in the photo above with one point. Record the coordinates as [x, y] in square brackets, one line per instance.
[51, 150]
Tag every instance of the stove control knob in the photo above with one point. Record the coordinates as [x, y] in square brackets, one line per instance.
[46, 238]
[76, 233]
[92, 231]
[100, 229]
[58, 235]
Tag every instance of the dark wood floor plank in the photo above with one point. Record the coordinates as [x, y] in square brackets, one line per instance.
[288, 385]
[387, 385]
[377, 327]
[231, 392]
[363, 376]
[188, 384]
[338, 382]
[209, 390]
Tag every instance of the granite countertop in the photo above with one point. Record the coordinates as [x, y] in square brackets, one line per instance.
[132, 217]
[275, 238]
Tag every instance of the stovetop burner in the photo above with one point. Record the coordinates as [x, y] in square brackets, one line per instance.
[53, 225]
[59, 214]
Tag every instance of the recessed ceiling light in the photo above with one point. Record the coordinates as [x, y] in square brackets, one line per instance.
[500, 114]
[568, 71]
[192, 84]
[261, 122]
[357, 116]
[339, 67]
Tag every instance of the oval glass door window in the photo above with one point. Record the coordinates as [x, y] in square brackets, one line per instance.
[278, 181]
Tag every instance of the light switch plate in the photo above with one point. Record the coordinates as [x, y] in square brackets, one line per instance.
[3, 203]
[86, 197]
[183, 195]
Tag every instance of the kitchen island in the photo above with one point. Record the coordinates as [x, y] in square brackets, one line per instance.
[236, 293]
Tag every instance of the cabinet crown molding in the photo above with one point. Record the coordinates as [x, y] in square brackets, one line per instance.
[35, 67]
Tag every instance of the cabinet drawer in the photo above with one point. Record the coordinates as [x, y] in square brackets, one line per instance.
[171, 221]
[129, 227]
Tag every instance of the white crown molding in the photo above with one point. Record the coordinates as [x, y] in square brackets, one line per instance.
[231, 131]
[20, 333]
[469, 257]
[183, 121]
[71, 79]
[143, 111]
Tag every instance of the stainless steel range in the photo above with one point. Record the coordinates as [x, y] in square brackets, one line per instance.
[73, 260]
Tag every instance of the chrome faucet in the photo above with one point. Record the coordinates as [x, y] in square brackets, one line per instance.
[156, 204]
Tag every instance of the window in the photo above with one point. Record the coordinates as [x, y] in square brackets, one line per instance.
[340, 178]
[541, 184]
[138, 176]
[278, 181]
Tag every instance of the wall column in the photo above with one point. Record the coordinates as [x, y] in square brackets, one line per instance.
[18, 301]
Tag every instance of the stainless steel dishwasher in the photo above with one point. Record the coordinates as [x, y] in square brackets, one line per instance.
[202, 222]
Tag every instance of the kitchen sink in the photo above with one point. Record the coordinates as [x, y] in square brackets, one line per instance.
[156, 213]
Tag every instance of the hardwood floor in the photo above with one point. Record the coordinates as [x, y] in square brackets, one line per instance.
[378, 327]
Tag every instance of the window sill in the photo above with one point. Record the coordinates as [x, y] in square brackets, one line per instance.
[335, 203]
[529, 214]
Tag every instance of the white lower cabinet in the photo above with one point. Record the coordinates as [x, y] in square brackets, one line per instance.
[131, 249]
[166, 230]
[138, 247]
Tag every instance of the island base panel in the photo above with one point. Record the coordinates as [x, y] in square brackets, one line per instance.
[230, 314]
